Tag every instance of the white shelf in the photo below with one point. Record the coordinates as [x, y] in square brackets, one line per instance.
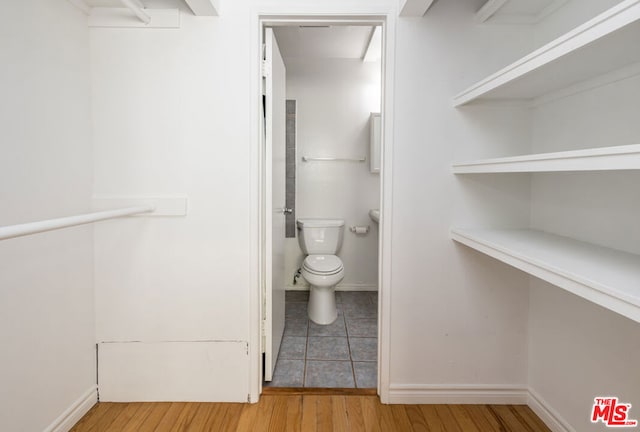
[604, 276]
[599, 46]
[625, 157]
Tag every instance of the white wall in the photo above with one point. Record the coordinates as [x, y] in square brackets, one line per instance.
[46, 280]
[579, 351]
[600, 207]
[569, 16]
[335, 98]
[457, 318]
[172, 117]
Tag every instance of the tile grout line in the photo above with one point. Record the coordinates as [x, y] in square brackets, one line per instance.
[306, 349]
[346, 330]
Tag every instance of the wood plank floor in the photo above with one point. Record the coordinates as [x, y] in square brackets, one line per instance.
[308, 413]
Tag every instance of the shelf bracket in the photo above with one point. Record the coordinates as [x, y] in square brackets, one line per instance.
[414, 8]
[204, 7]
[137, 8]
[488, 10]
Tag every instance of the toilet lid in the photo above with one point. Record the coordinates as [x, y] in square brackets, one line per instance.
[323, 264]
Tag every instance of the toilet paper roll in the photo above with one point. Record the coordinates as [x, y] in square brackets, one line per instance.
[360, 229]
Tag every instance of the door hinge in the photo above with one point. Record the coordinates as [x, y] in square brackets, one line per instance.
[266, 69]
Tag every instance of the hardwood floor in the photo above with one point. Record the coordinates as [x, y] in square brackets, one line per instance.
[308, 413]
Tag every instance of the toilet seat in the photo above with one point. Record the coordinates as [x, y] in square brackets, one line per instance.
[322, 265]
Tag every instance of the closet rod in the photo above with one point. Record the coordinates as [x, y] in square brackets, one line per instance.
[12, 231]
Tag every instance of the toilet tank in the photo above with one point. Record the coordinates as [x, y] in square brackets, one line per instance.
[320, 236]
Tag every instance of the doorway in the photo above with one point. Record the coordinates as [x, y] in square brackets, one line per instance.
[353, 341]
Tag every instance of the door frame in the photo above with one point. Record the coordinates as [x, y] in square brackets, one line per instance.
[260, 19]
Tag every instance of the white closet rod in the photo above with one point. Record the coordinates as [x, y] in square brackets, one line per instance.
[12, 231]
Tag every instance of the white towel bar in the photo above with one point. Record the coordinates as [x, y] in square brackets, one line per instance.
[13, 231]
[331, 159]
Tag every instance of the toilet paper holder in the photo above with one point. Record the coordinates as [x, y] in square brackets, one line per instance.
[359, 229]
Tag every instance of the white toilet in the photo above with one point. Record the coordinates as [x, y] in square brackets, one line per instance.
[320, 240]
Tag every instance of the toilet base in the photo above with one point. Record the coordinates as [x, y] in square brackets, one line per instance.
[322, 305]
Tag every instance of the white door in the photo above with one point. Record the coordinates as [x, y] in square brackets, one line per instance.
[275, 165]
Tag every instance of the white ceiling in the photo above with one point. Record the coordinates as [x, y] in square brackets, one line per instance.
[336, 41]
[300, 42]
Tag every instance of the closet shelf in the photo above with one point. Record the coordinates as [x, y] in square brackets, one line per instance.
[607, 277]
[592, 49]
[616, 158]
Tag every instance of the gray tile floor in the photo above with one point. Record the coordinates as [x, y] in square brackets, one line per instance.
[342, 354]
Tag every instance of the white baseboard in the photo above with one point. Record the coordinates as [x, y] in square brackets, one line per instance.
[457, 394]
[352, 287]
[298, 287]
[479, 394]
[75, 412]
[357, 287]
[547, 414]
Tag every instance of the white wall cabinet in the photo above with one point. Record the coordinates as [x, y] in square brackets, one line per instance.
[597, 53]
[375, 143]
